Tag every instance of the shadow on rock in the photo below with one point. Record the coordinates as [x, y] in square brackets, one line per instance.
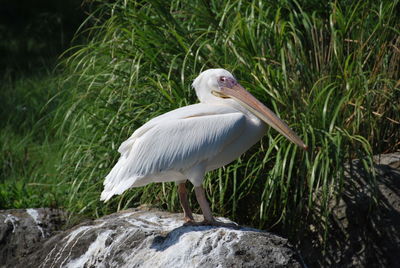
[364, 227]
[163, 242]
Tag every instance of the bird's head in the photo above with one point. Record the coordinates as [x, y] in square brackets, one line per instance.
[213, 85]
[211, 81]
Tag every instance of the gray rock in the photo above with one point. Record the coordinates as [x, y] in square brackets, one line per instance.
[140, 238]
[364, 224]
[21, 229]
[392, 160]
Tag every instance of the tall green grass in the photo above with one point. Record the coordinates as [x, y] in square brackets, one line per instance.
[29, 151]
[329, 70]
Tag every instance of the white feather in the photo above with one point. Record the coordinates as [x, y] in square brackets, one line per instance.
[173, 143]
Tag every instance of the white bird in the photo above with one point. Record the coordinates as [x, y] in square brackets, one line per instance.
[185, 143]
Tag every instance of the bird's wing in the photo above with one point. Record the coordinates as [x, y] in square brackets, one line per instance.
[177, 141]
[182, 143]
[195, 110]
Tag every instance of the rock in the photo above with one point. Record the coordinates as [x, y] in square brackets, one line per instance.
[392, 160]
[364, 226]
[140, 238]
[20, 229]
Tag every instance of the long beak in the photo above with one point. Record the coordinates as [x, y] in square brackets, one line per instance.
[238, 93]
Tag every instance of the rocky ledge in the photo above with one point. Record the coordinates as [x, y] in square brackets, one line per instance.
[20, 229]
[148, 238]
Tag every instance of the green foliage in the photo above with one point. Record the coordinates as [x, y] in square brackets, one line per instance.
[29, 153]
[29, 172]
[329, 70]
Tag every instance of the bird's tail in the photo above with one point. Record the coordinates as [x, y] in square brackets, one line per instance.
[118, 180]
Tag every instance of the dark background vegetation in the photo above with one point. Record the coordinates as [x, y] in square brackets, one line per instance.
[34, 33]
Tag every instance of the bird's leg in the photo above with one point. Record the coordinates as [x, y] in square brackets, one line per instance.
[188, 217]
[205, 208]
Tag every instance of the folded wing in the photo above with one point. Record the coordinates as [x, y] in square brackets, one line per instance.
[175, 141]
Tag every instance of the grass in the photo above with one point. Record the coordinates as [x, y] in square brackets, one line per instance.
[330, 70]
[29, 152]
[32, 37]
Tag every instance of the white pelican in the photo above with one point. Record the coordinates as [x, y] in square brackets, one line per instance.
[185, 143]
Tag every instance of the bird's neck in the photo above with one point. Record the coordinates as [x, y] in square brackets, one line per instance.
[237, 106]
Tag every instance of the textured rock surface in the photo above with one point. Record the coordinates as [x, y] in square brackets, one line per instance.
[21, 229]
[363, 232]
[137, 238]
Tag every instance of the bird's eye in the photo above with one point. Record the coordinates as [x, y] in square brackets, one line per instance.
[222, 79]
